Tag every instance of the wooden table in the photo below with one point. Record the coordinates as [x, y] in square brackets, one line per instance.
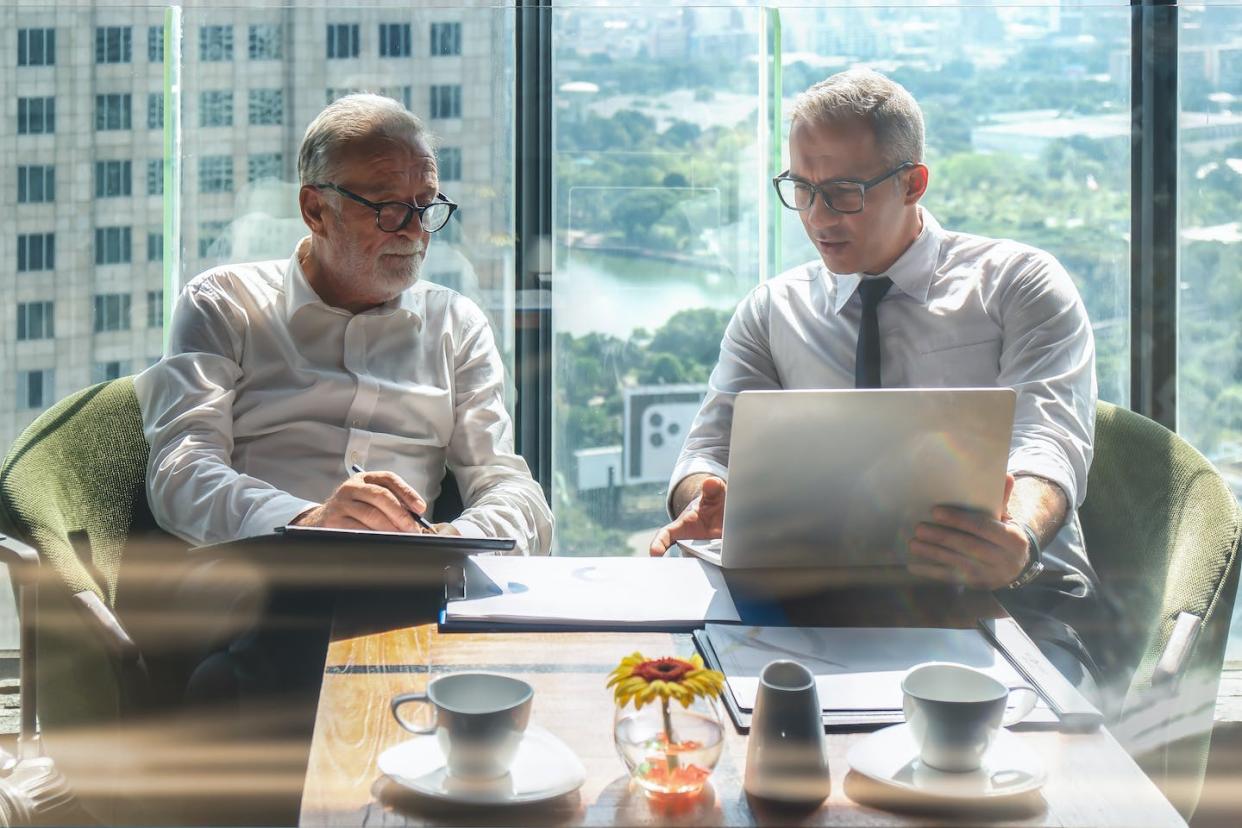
[1092, 781]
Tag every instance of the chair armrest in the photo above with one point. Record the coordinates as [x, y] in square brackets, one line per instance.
[16, 554]
[1177, 650]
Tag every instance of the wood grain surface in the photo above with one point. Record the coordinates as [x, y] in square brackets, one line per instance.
[1092, 781]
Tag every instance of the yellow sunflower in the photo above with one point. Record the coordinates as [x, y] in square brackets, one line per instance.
[645, 680]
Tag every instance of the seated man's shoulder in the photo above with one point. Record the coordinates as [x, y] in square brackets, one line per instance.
[239, 282]
[1009, 253]
[458, 310]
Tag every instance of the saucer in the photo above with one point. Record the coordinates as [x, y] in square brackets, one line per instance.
[544, 767]
[890, 757]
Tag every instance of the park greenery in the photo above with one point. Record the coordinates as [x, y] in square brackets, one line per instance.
[1074, 201]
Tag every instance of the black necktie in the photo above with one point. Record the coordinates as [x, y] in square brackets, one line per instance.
[867, 357]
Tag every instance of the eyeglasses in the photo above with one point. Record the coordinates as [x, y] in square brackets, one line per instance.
[393, 216]
[843, 195]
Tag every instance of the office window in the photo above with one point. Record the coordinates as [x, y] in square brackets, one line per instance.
[215, 44]
[112, 312]
[112, 112]
[36, 389]
[394, 39]
[155, 176]
[213, 240]
[445, 39]
[36, 251]
[155, 110]
[107, 371]
[261, 166]
[451, 232]
[36, 116]
[267, 107]
[155, 307]
[266, 42]
[446, 101]
[215, 174]
[113, 179]
[112, 245]
[35, 320]
[155, 247]
[342, 40]
[155, 44]
[113, 44]
[36, 47]
[215, 108]
[36, 184]
[448, 163]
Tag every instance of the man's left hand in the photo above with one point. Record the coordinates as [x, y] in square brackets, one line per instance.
[965, 547]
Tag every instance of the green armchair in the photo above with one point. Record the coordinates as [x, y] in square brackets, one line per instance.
[1162, 530]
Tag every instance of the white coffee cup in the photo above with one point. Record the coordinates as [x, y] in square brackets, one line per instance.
[954, 712]
[478, 720]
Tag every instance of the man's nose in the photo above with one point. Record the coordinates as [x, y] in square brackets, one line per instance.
[821, 215]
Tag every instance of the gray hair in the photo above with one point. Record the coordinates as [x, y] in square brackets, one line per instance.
[350, 119]
[891, 112]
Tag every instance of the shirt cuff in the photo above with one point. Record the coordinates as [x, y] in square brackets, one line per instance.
[275, 512]
[468, 529]
[687, 467]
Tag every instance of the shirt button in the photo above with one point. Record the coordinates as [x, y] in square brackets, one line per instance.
[353, 456]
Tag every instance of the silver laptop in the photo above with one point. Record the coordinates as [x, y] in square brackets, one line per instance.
[839, 479]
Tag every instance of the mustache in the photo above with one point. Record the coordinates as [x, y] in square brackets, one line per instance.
[417, 250]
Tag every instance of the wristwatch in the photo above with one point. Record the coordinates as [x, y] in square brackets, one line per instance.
[1035, 559]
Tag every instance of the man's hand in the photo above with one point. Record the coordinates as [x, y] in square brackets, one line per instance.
[964, 547]
[445, 529]
[377, 500]
[703, 518]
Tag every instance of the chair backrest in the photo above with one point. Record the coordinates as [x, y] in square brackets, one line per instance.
[73, 486]
[1162, 531]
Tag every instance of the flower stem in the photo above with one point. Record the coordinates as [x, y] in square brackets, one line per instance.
[672, 760]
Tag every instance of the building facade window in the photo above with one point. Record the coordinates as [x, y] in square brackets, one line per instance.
[155, 110]
[36, 320]
[113, 245]
[36, 47]
[215, 44]
[36, 251]
[215, 174]
[107, 371]
[449, 163]
[215, 108]
[445, 39]
[113, 112]
[113, 44]
[267, 107]
[36, 184]
[112, 312]
[266, 41]
[213, 239]
[155, 247]
[394, 40]
[446, 101]
[155, 44]
[155, 176]
[36, 389]
[342, 40]
[262, 166]
[113, 179]
[155, 308]
[36, 116]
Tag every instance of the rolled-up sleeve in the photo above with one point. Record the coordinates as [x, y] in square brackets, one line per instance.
[186, 401]
[745, 364]
[1048, 356]
[501, 497]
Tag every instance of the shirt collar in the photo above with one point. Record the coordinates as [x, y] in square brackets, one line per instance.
[299, 293]
[911, 273]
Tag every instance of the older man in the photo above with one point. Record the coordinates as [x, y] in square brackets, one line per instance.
[898, 301]
[281, 376]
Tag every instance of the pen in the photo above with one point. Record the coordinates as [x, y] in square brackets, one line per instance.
[354, 468]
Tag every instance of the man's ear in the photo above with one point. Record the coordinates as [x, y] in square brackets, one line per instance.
[916, 183]
[313, 209]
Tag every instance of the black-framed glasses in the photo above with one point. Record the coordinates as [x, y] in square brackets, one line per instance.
[394, 216]
[843, 195]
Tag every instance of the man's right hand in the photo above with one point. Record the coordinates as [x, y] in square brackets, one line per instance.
[377, 500]
[702, 519]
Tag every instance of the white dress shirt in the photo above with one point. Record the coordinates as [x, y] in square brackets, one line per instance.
[963, 311]
[267, 395]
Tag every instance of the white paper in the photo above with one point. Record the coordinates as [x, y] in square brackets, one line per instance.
[856, 668]
[598, 592]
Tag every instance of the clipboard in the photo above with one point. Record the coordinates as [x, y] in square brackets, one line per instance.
[462, 546]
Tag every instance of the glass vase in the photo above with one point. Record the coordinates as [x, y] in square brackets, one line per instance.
[667, 748]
